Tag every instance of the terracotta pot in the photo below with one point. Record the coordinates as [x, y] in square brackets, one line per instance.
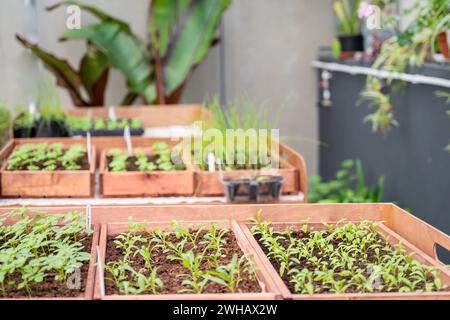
[444, 44]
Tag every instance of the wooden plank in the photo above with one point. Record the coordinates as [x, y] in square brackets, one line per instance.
[420, 234]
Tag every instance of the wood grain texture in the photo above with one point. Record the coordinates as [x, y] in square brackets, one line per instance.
[115, 229]
[43, 184]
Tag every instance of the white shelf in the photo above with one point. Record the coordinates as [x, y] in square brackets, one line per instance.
[357, 70]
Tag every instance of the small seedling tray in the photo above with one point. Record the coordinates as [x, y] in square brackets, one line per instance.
[152, 116]
[44, 184]
[253, 190]
[141, 184]
[114, 229]
[90, 281]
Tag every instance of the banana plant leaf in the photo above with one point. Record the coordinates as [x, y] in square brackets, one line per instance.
[65, 74]
[123, 52]
[94, 71]
[191, 35]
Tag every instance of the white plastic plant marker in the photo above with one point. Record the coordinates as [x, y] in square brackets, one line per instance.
[32, 110]
[211, 163]
[100, 273]
[89, 115]
[89, 145]
[112, 113]
[127, 137]
[88, 218]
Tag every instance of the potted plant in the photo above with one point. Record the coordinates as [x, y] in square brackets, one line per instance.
[51, 123]
[351, 39]
[48, 170]
[147, 172]
[236, 164]
[25, 125]
[46, 256]
[207, 260]
[79, 126]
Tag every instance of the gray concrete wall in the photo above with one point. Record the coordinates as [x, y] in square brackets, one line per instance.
[267, 54]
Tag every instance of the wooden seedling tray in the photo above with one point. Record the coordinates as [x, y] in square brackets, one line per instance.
[152, 116]
[43, 184]
[267, 293]
[293, 170]
[140, 184]
[90, 281]
[394, 238]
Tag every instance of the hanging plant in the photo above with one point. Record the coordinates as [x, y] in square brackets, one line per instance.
[408, 49]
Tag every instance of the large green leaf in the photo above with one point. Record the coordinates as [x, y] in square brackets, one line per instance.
[164, 17]
[65, 75]
[123, 52]
[191, 39]
[94, 71]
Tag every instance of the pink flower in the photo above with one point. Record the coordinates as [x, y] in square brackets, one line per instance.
[365, 10]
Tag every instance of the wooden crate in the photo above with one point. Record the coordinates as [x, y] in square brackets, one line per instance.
[293, 170]
[152, 116]
[41, 184]
[415, 234]
[267, 293]
[90, 281]
[140, 184]
[430, 239]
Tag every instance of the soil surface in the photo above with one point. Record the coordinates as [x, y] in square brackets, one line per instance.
[131, 162]
[50, 288]
[169, 271]
[83, 162]
[316, 252]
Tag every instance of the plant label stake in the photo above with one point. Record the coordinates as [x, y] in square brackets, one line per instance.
[89, 115]
[127, 137]
[88, 219]
[32, 108]
[100, 272]
[211, 163]
[112, 113]
[89, 145]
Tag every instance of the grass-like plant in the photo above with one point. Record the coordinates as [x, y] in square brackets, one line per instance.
[343, 258]
[33, 250]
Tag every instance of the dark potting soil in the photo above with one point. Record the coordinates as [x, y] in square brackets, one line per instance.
[305, 265]
[131, 162]
[169, 270]
[50, 288]
[83, 162]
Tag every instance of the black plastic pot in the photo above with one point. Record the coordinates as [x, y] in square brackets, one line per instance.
[51, 129]
[258, 190]
[352, 43]
[25, 133]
